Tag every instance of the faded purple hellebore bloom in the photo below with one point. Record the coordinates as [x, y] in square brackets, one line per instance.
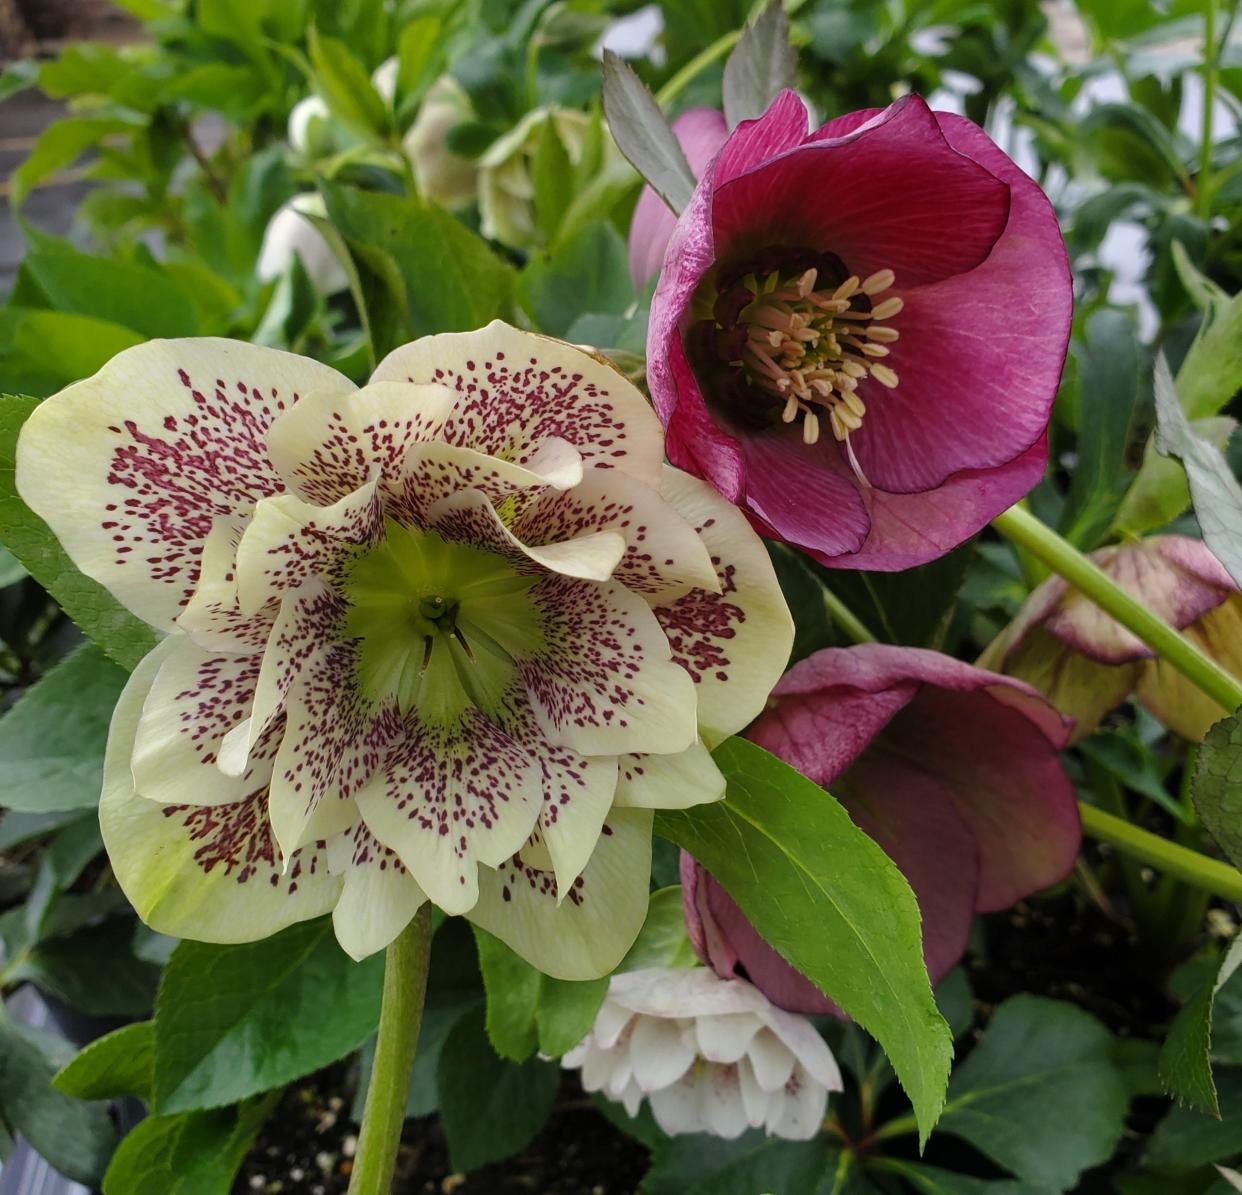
[1087, 664]
[858, 333]
[952, 770]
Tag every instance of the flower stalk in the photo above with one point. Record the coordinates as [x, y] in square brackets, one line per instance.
[1200, 871]
[1023, 529]
[401, 1015]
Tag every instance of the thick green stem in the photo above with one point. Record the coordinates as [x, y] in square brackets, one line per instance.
[1193, 868]
[1042, 542]
[405, 985]
[1203, 183]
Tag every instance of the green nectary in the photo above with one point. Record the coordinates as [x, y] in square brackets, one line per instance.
[440, 623]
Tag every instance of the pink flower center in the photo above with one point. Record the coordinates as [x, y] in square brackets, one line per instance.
[800, 339]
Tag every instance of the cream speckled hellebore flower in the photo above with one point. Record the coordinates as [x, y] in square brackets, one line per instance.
[711, 1055]
[452, 635]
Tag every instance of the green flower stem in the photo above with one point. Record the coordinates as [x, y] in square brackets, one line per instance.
[405, 985]
[1045, 544]
[705, 57]
[699, 63]
[1211, 875]
[845, 618]
[1203, 183]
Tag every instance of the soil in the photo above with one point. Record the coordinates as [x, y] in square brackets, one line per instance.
[1062, 946]
[308, 1144]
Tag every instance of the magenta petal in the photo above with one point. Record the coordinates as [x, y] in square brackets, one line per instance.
[1176, 577]
[916, 824]
[911, 529]
[804, 493]
[896, 190]
[693, 441]
[990, 742]
[1195, 558]
[824, 732]
[782, 127]
[980, 354]
[1005, 780]
[701, 132]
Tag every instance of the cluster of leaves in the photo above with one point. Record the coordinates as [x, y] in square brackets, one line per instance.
[185, 133]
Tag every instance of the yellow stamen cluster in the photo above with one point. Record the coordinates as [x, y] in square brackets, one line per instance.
[810, 348]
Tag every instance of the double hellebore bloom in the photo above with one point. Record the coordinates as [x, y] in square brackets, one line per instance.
[1086, 663]
[449, 636]
[858, 332]
[710, 1055]
[952, 770]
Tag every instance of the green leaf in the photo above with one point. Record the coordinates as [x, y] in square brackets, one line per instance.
[1186, 1057]
[65, 346]
[1039, 1094]
[762, 65]
[92, 968]
[489, 1108]
[1107, 410]
[59, 145]
[662, 941]
[589, 272]
[1217, 786]
[1211, 372]
[932, 1180]
[552, 175]
[123, 637]
[418, 55]
[567, 1010]
[1185, 1139]
[528, 1010]
[512, 986]
[346, 88]
[234, 91]
[401, 244]
[197, 1153]
[1160, 491]
[642, 134]
[76, 1137]
[118, 1064]
[829, 901]
[1215, 491]
[697, 1164]
[52, 741]
[232, 1021]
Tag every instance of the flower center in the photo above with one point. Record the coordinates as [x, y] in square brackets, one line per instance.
[439, 623]
[799, 336]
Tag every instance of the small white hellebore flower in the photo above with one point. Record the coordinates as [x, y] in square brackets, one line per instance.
[452, 635]
[443, 176]
[311, 129]
[711, 1055]
[291, 234]
[506, 185]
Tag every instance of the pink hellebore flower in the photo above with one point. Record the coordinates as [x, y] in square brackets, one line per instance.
[1087, 664]
[858, 332]
[952, 770]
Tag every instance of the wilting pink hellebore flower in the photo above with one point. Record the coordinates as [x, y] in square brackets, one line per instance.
[1087, 664]
[858, 333]
[701, 131]
[952, 770]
